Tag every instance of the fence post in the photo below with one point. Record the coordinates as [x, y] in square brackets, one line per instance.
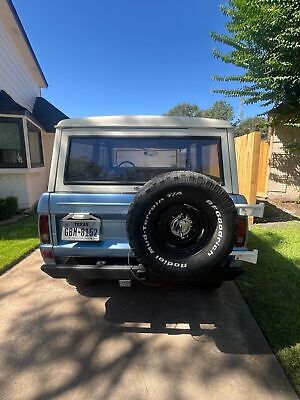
[263, 169]
[247, 155]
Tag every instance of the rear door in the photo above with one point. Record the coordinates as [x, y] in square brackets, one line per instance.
[120, 161]
[95, 180]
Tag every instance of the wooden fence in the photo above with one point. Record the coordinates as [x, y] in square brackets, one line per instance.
[263, 169]
[252, 155]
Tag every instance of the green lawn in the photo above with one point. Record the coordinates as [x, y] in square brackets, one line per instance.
[272, 291]
[17, 239]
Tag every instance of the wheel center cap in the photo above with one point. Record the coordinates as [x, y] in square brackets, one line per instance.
[181, 225]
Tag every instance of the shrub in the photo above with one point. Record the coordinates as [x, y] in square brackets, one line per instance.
[8, 207]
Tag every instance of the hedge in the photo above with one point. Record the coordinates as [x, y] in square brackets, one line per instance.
[8, 207]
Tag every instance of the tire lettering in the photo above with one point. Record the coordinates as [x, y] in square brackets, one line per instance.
[170, 263]
[145, 235]
[219, 227]
[149, 248]
[174, 194]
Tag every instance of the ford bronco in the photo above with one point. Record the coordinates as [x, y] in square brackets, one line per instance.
[144, 197]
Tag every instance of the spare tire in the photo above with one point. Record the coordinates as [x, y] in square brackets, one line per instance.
[181, 224]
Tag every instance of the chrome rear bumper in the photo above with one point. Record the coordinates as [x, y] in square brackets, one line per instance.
[126, 272]
[243, 254]
[250, 210]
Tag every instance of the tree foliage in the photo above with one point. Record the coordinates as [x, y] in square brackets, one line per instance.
[264, 37]
[219, 110]
[249, 125]
[185, 110]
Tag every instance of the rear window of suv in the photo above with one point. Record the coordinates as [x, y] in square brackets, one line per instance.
[96, 160]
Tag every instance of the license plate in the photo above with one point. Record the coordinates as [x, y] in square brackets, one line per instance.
[81, 230]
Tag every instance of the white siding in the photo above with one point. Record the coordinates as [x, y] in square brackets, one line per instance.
[26, 186]
[48, 141]
[15, 78]
[37, 182]
[14, 184]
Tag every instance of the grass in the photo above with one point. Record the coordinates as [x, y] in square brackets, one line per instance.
[272, 291]
[16, 240]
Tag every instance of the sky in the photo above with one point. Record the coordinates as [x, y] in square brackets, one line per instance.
[116, 57]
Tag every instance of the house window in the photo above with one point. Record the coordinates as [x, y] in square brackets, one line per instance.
[35, 145]
[12, 148]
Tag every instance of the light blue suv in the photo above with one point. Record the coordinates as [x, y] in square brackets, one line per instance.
[144, 197]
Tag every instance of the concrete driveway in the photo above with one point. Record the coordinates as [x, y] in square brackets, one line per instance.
[98, 341]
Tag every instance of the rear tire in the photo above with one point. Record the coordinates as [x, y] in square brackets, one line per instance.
[181, 224]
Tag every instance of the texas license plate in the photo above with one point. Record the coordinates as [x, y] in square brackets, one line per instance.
[81, 230]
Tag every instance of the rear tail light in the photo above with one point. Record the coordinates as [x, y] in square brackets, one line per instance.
[44, 229]
[241, 233]
[47, 255]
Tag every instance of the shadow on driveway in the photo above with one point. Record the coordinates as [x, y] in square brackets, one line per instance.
[99, 341]
[181, 309]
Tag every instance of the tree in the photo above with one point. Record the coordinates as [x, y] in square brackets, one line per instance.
[219, 110]
[185, 110]
[249, 125]
[264, 36]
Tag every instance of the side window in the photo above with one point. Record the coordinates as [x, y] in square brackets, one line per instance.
[82, 160]
[210, 159]
[12, 148]
[35, 145]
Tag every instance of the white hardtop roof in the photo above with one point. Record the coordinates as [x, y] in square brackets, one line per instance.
[146, 121]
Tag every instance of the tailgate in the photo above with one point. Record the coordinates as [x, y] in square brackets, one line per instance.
[110, 209]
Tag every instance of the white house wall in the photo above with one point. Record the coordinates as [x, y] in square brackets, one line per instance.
[48, 141]
[15, 78]
[15, 184]
[26, 186]
[37, 181]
